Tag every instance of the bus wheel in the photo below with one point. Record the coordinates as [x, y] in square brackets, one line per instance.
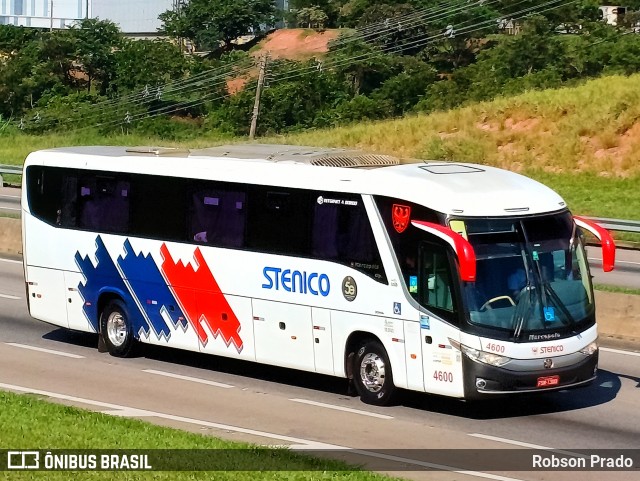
[372, 374]
[116, 329]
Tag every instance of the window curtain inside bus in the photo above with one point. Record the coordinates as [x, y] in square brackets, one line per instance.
[343, 233]
[218, 217]
[104, 204]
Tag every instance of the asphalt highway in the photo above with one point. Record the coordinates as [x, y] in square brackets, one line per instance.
[10, 200]
[273, 406]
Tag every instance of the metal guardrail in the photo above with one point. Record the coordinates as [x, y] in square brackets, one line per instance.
[617, 224]
[9, 169]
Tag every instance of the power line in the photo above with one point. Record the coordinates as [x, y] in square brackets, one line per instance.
[216, 77]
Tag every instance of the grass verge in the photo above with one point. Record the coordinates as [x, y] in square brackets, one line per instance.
[31, 423]
[619, 290]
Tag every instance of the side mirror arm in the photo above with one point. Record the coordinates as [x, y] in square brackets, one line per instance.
[461, 246]
[606, 241]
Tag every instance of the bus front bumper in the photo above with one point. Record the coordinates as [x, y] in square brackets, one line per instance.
[483, 380]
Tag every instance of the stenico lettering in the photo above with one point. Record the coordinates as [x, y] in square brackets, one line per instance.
[550, 349]
[296, 281]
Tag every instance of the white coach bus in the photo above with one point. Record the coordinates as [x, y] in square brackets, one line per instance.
[449, 278]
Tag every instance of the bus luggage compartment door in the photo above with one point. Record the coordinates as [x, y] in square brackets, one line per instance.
[46, 291]
[283, 334]
[322, 342]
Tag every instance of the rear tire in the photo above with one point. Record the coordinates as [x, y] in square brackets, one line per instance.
[372, 374]
[116, 329]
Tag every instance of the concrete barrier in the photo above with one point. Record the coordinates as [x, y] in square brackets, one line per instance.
[618, 314]
[10, 236]
[618, 319]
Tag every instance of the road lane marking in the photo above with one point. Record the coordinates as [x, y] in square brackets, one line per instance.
[526, 445]
[10, 208]
[618, 351]
[5, 196]
[509, 441]
[7, 296]
[10, 261]
[340, 408]
[298, 443]
[188, 378]
[594, 259]
[42, 349]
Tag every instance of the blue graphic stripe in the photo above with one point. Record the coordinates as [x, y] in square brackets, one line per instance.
[101, 277]
[151, 291]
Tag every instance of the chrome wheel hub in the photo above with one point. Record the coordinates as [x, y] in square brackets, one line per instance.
[372, 372]
[116, 329]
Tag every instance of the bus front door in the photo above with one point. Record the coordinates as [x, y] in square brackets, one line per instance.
[442, 364]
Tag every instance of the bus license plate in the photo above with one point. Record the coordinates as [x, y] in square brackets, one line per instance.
[548, 381]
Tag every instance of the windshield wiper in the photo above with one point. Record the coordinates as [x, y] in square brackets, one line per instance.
[522, 309]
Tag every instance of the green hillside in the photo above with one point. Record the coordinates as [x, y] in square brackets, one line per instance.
[584, 141]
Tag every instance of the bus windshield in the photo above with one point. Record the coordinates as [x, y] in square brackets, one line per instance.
[532, 279]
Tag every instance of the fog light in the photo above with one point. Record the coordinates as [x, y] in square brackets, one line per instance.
[481, 383]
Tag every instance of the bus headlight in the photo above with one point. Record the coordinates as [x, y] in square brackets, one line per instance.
[481, 356]
[591, 349]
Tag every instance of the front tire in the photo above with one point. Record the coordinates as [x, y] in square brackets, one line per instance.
[372, 374]
[116, 329]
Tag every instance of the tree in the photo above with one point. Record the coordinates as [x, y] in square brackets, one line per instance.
[147, 63]
[14, 38]
[42, 66]
[330, 8]
[212, 24]
[311, 17]
[96, 44]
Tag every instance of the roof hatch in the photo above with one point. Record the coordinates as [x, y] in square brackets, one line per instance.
[451, 169]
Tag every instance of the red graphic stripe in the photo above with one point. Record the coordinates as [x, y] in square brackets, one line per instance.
[200, 298]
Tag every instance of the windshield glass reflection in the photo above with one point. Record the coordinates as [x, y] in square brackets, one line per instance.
[532, 275]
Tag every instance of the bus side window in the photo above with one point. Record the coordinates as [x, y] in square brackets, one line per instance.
[68, 209]
[278, 221]
[104, 204]
[218, 217]
[341, 232]
[435, 279]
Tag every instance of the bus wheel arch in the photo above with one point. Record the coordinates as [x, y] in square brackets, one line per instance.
[116, 325]
[368, 367]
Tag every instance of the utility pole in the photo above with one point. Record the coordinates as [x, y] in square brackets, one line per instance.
[256, 104]
[51, 17]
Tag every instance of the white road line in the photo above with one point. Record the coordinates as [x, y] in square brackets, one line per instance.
[526, 445]
[10, 261]
[7, 296]
[188, 378]
[299, 443]
[618, 351]
[340, 408]
[617, 262]
[10, 196]
[10, 208]
[509, 441]
[48, 351]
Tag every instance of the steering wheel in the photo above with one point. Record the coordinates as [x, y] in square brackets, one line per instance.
[487, 305]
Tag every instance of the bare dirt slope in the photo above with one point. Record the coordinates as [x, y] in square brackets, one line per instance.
[296, 43]
[291, 44]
